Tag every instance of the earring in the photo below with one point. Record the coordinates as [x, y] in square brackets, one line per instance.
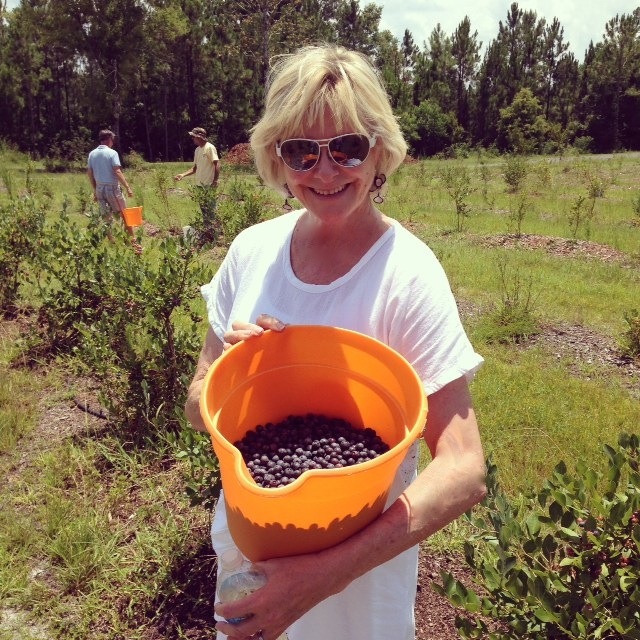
[377, 184]
[286, 206]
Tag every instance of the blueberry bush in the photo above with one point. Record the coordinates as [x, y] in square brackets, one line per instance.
[562, 562]
[21, 225]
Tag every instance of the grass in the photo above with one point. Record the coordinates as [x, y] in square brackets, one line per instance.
[577, 291]
[426, 199]
[98, 540]
[533, 414]
[16, 418]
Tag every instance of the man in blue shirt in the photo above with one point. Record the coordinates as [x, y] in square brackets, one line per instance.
[105, 174]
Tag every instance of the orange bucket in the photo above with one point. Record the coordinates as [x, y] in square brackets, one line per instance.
[309, 369]
[132, 216]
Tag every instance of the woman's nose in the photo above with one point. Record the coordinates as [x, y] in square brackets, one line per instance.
[326, 165]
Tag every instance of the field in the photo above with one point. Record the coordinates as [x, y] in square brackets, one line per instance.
[97, 538]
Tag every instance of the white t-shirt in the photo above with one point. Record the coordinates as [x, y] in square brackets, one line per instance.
[205, 158]
[397, 293]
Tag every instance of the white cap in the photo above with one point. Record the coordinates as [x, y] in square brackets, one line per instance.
[231, 559]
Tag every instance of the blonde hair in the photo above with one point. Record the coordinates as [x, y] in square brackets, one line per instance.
[302, 85]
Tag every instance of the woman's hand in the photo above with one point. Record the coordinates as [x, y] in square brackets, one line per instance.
[294, 585]
[211, 350]
[244, 330]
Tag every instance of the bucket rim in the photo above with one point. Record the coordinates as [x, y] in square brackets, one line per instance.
[351, 334]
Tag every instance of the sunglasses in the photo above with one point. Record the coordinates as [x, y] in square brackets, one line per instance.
[348, 150]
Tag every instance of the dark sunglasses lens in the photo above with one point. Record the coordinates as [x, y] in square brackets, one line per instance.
[350, 150]
[300, 155]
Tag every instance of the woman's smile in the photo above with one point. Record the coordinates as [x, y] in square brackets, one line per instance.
[329, 192]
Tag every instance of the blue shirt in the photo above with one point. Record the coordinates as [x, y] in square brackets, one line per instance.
[103, 161]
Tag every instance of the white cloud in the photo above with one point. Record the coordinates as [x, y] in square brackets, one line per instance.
[582, 20]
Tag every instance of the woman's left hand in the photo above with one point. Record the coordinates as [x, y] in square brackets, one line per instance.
[294, 585]
[245, 330]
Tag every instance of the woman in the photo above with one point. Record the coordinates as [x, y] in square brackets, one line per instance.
[328, 137]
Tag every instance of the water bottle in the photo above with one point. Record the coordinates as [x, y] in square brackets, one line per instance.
[237, 579]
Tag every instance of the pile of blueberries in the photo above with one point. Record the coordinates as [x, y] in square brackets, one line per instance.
[278, 453]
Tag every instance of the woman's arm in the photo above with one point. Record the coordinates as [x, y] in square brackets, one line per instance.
[211, 350]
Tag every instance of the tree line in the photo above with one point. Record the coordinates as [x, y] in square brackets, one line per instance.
[153, 69]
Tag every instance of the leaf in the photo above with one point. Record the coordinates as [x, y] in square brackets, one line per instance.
[492, 578]
[516, 585]
[555, 511]
[626, 582]
[549, 545]
[472, 603]
[568, 518]
[537, 587]
[561, 467]
[545, 616]
[569, 561]
[533, 524]
[618, 513]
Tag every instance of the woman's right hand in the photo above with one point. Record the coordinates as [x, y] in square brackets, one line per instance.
[244, 330]
[212, 349]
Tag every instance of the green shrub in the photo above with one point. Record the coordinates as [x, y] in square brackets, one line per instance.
[144, 350]
[244, 207]
[596, 186]
[133, 160]
[238, 189]
[562, 562]
[485, 176]
[518, 213]
[457, 182]
[543, 173]
[515, 172]
[203, 482]
[207, 224]
[130, 321]
[221, 219]
[84, 197]
[161, 181]
[631, 337]
[74, 276]
[583, 144]
[55, 164]
[513, 317]
[21, 229]
[7, 182]
[457, 151]
[581, 214]
[635, 207]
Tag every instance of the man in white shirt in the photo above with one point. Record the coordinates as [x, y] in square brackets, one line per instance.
[206, 164]
[206, 167]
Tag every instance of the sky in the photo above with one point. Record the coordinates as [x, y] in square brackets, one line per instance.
[582, 20]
